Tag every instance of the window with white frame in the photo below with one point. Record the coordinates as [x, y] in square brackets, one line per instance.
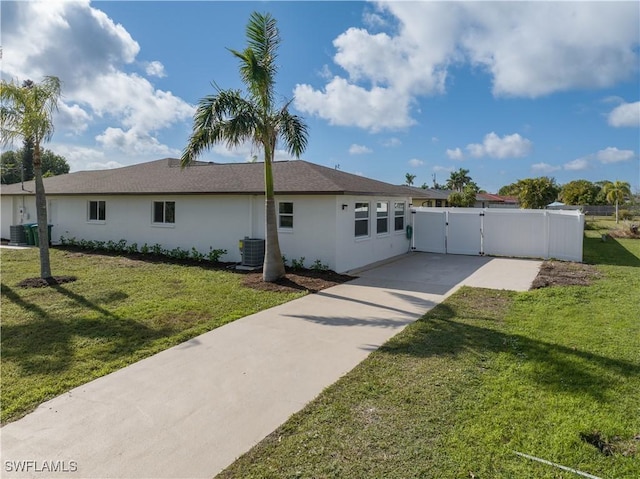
[398, 216]
[285, 215]
[164, 212]
[361, 219]
[97, 211]
[382, 217]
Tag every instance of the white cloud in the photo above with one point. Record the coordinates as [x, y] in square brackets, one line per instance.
[509, 146]
[627, 114]
[443, 169]
[134, 142]
[577, 164]
[455, 154]
[392, 142]
[530, 49]
[155, 69]
[98, 91]
[107, 165]
[72, 117]
[414, 162]
[614, 155]
[358, 150]
[434, 139]
[544, 168]
[78, 157]
[345, 104]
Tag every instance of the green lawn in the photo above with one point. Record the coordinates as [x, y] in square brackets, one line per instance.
[117, 312]
[551, 373]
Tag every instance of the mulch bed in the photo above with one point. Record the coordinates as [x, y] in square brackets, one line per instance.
[300, 280]
[564, 273]
[41, 283]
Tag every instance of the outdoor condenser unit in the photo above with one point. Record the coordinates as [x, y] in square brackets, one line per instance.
[252, 250]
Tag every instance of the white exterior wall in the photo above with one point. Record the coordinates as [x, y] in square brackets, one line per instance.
[352, 252]
[16, 210]
[322, 229]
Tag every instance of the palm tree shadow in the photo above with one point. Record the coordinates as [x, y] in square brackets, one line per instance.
[49, 344]
[556, 368]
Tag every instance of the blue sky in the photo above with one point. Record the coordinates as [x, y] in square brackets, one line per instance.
[507, 90]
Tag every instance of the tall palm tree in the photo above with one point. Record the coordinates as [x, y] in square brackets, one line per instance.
[26, 112]
[230, 118]
[616, 192]
[458, 179]
[409, 179]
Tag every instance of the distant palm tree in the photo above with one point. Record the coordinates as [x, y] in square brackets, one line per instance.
[230, 118]
[615, 192]
[458, 179]
[409, 179]
[26, 112]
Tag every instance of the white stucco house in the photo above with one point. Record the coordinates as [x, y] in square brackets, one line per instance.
[343, 220]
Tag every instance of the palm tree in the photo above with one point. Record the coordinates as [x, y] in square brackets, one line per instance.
[26, 112]
[230, 118]
[616, 192]
[458, 179]
[409, 178]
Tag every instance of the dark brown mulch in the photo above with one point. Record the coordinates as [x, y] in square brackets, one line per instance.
[300, 280]
[564, 273]
[41, 283]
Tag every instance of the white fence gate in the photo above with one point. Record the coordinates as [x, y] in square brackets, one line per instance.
[499, 232]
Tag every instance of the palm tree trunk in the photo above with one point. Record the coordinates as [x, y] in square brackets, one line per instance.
[616, 210]
[273, 267]
[41, 214]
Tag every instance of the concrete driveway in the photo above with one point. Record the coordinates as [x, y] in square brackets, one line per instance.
[189, 411]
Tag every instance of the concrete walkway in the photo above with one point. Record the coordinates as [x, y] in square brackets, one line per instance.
[190, 411]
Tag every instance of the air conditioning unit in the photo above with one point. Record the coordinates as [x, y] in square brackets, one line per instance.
[252, 251]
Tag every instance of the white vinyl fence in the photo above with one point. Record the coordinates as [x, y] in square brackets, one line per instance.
[499, 232]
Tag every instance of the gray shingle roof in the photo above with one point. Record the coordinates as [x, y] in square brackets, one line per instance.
[166, 177]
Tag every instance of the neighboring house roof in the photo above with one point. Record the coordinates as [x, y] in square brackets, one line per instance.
[166, 177]
[426, 193]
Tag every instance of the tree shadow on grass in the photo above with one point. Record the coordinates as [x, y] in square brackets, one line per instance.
[609, 252]
[46, 345]
[557, 368]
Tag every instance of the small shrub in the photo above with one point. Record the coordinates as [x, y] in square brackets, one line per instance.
[624, 215]
[178, 253]
[110, 246]
[214, 255]
[297, 264]
[284, 260]
[196, 255]
[157, 249]
[132, 248]
[319, 266]
[144, 249]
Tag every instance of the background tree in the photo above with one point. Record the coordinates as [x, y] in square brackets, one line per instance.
[579, 192]
[11, 165]
[465, 199]
[537, 193]
[616, 192]
[26, 112]
[409, 179]
[233, 119]
[53, 165]
[509, 190]
[458, 180]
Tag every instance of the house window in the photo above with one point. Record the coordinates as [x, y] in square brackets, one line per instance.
[382, 217]
[398, 216]
[97, 210]
[285, 215]
[362, 219]
[164, 212]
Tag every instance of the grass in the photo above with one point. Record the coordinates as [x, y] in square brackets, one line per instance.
[117, 312]
[553, 373]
